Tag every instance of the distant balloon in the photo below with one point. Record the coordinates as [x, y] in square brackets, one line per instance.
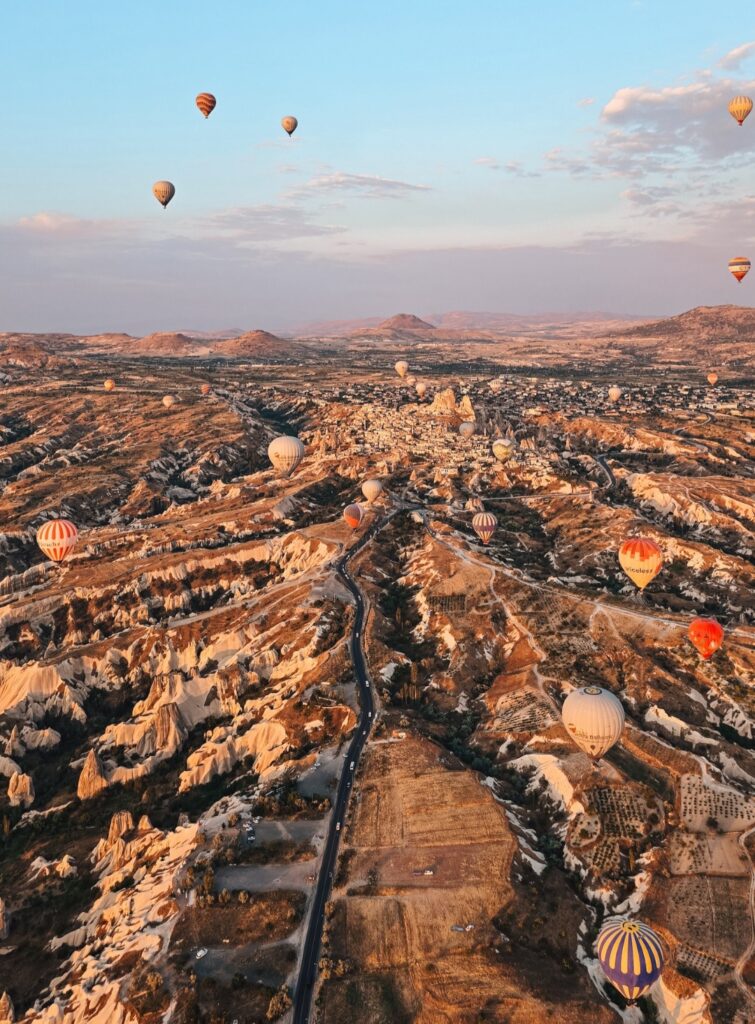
[614, 393]
[205, 389]
[353, 515]
[641, 559]
[712, 378]
[206, 103]
[421, 388]
[484, 524]
[168, 401]
[411, 380]
[57, 538]
[631, 956]
[285, 453]
[594, 718]
[372, 489]
[739, 267]
[739, 108]
[503, 450]
[289, 124]
[401, 367]
[466, 429]
[163, 191]
[707, 636]
[109, 384]
[496, 386]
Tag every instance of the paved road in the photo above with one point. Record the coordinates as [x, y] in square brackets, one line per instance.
[310, 954]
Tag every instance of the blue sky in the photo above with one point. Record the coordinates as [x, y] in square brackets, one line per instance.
[486, 155]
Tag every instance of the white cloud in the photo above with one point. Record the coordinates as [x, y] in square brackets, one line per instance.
[733, 59]
[488, 161]
[369, 185]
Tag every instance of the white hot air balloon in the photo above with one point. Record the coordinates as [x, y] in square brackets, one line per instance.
[372, 489]
[614, 393]
[496, 386]
[594, 718]
[285, 453]
[466, 429]
[484, 524]
[401, 368]
[421, 388]
[411, 380]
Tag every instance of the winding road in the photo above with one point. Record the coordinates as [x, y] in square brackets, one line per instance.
[302, 1001]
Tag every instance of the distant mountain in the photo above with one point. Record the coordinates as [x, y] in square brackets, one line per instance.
[230, 332]
[258, 344]
[405, 322]
[708, 323]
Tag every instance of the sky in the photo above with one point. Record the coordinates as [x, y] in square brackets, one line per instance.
[491, 155]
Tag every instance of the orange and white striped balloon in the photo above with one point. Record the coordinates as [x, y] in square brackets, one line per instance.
[739, 267]
[206, 103]
[57, 538]
[484, 524]
[641, 559]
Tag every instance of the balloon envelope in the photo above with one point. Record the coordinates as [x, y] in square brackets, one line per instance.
[594, 718]
[168, 401]
[420, 388]
[411, 380]
[353, 515]
[484, 524]
[631, 956]
[109, 384]
[206, 103]
[614, 393]
[57, 538]
[641, 559]
[285, 453]
[739, 108]
[502, 449]
[163, 191]
[205, 389]
[401, 367]
[372, 489]
[707, 636]
[290, 124]
[466, 429]
[712, 378]
[739, 266]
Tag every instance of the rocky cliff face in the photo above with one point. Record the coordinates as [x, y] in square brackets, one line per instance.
[20, 790]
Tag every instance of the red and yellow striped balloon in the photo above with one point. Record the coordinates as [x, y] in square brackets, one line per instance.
[206, 103]
[739, 267]
[739, 108]
[641, 559]
[57, 538]
[484, 524]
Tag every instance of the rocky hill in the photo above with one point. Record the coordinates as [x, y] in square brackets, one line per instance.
[258, 345]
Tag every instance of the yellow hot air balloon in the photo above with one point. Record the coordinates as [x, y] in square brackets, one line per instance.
[168, 401]
[712, 378]
[641, 559]
[163, 191]
[285, 453]
[503, 450]
[289, 124]
[57, 538]
[739, 108]
[206, 103]
[420, 387]
[109, 384]
[739, 267]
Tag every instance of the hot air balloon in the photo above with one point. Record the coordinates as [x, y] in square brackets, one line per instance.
[641, 559]
[631, 956]
[411, 380]
[707, 636]
[484, 524]
[163, 191]
[206, 103]
[421, 388]
[205, 389]
[495, 386]
[109, 384]
[57, 538]
[594, 718]
[353, 515]
[614, 393]
[739, 267]
[285, 453]
[502, 450]
[372, 489]
[739, 108]
[466, 429]
[289, 124]
[712, 378]
[168, 401]
[401, 367]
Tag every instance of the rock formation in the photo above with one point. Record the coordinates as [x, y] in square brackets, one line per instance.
[7, 1013]
[4, 919]
[92, 779]
[20, 790]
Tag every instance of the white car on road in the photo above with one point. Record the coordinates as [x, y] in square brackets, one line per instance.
[201, 952]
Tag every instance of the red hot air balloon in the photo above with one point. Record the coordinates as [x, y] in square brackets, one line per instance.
[707, 636]
[206, 103]
[57, 538]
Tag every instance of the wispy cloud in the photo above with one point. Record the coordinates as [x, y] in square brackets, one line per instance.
[367, 185]
[587, 101]
[733, 59]
[263, 223]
